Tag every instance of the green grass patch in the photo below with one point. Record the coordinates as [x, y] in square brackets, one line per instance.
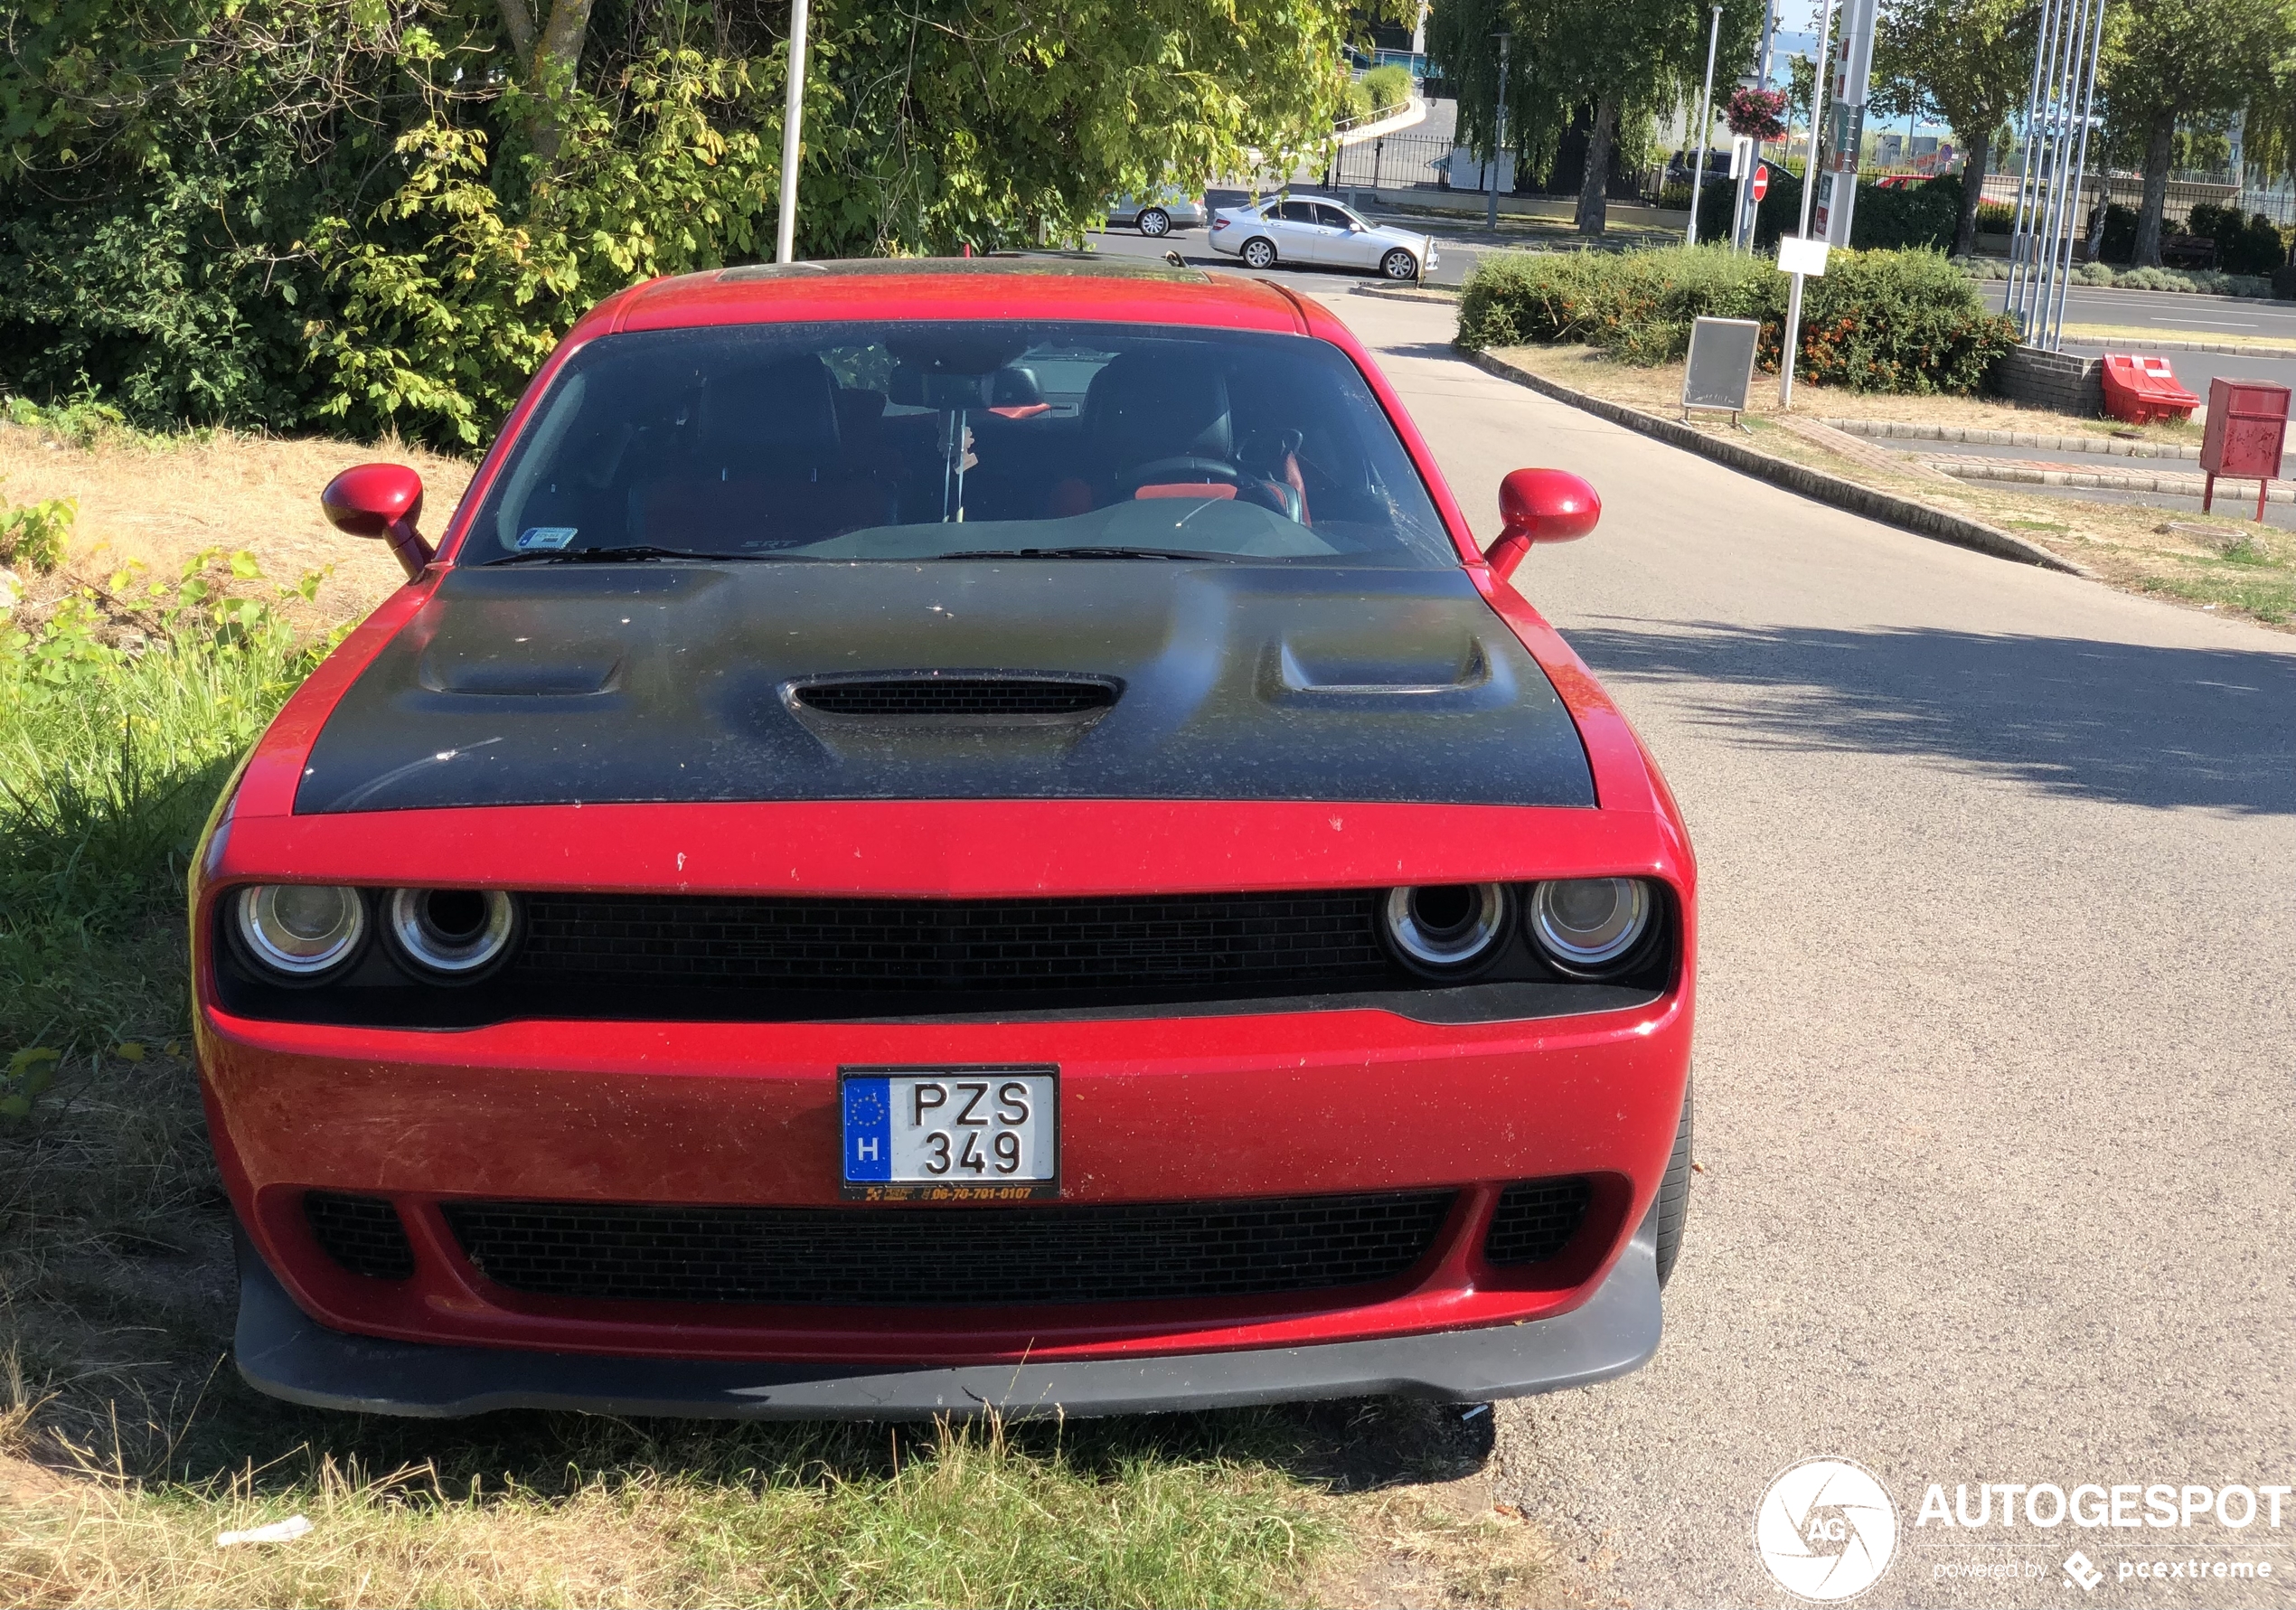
[2267, 593]
[1121, 1516]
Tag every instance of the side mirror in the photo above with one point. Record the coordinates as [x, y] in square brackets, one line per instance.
[380, 500]
[1540, 505]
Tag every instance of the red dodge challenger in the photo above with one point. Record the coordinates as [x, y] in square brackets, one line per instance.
[947, 834]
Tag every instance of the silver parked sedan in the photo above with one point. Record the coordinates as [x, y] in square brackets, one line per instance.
[1320, 234]
[1158, 215]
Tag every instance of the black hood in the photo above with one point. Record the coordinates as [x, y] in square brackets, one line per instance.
[673, 681]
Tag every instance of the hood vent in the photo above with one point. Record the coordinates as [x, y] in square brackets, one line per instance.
[959, 696]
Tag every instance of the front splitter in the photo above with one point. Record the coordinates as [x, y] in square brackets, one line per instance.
[283, 1351]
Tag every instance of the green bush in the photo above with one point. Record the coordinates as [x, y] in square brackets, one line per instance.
[1876, 321]
[2244, 246]
[1886, 219]
[1389, 87]
[1355, 103]
[33, 534]
[1998, 217]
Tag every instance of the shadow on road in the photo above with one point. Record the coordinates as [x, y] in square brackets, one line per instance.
[2158, 727]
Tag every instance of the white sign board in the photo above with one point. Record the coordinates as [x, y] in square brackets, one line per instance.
[1801, 256]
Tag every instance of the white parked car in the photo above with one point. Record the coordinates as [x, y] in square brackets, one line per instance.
[1158, 215]
[1322, 234]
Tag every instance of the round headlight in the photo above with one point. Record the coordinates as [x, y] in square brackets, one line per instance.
[301, 929]
[1446, 928]
[453, 932]
[1583, 925]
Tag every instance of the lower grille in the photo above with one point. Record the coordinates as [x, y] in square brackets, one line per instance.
[1311, 941]
[932, 1257]
[1535, 1221]
[361, 1233]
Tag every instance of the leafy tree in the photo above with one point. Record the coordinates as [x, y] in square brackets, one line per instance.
[273, 213]
[1619, 59]
[2176, 61]
[1970, 60]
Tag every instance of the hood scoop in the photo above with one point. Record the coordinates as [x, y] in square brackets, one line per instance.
[960, 698]
[1447, 678]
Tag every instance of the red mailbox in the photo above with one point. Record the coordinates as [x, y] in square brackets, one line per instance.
[2247, 423]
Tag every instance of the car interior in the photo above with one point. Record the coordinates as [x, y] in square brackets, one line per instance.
[744, 442]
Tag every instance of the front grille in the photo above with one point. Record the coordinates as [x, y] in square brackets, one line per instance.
[1535, 1221]
[361, 1233]
[940, 1257]
[1312, 941]
[961, 696]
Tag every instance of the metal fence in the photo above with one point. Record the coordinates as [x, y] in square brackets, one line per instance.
[1403, 161]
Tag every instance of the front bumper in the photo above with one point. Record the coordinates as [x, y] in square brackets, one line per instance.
[285, 1354]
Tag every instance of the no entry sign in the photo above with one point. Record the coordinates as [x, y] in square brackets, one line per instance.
[1760, 180]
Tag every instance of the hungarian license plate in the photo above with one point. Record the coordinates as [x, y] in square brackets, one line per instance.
[950, 1134]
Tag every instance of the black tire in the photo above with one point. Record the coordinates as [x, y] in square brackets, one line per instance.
[1674, 1195]
[1400, 264]
[1155, 223]
[1260, 252]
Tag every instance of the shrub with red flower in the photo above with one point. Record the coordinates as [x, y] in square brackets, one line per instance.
[1758, 114]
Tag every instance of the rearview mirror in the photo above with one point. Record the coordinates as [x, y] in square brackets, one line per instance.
[1540, 505]
[380, 500]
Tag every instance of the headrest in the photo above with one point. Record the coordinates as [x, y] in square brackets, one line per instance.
[1014, 387]
[776, 408]
[1148, 405]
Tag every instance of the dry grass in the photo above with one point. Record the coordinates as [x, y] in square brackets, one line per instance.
[2218, 562]
[159, 500]
[969, 1518]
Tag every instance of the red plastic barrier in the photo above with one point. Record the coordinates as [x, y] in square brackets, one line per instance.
[2140, 390]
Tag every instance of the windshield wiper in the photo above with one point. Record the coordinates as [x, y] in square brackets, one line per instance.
[1082, 552]
[606, 556]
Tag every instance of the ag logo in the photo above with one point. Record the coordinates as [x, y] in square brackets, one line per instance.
[1826, 1530]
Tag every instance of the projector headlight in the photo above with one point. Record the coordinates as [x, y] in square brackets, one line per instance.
[301, 930]
[1445, 929]
[452, 933]
[1586, 925]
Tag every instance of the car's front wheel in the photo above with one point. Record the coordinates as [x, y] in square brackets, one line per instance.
[1674, 1195]
[1260, 252]
[1400, 264]
[1155, 222]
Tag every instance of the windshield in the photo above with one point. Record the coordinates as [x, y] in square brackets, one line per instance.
[907, 441]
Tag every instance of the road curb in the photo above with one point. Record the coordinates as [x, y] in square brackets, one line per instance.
[1408, 293]
[1815, 484]
[2175, 484]
[2106, 446]
[2236, 349]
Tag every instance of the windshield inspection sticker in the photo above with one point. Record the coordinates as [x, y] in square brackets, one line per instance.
[545, 539]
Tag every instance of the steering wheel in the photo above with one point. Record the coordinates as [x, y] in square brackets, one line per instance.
[1182, 469]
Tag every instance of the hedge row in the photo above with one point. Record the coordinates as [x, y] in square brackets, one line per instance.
[1876, 321]
[1917, 215]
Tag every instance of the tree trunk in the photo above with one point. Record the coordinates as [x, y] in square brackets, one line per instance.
[558, 54]
[2159, 143]
[1593, 186]
[1974, 163]
[518, 22]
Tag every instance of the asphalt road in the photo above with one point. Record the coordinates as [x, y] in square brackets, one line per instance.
[2174, 314]
[1998, 1021]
